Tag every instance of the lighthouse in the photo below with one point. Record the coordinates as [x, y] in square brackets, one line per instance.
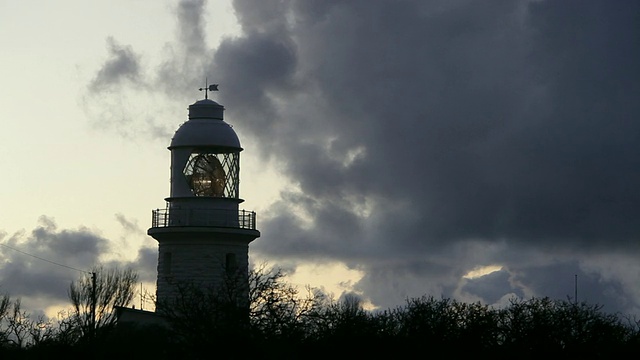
[203, 235]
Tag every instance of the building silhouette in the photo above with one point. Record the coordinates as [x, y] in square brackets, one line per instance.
[203, 237]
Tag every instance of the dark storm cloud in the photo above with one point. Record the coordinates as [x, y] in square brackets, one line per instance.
[390, 90]
[491, 287]
[264, 63]
[412, 126]
[39, 265]
[145, 264]
[67, 254]
[146, 259]
[415, 131]
[478, 120]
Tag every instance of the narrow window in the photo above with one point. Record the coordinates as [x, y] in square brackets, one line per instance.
[230, 263]
[166, 263]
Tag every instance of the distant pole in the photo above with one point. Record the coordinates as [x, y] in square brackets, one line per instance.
[575, 295]
[93, 303]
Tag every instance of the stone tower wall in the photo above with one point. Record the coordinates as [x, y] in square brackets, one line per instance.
[199, 263]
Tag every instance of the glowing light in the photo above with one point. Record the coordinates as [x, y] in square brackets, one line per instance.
[481, 271]
[324, 275]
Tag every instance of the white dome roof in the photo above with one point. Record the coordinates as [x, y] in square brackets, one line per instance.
[206, 128]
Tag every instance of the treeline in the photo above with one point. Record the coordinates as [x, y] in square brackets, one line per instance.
[279, 322]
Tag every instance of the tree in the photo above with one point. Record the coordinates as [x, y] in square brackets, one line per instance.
[18, 330]
[265, 315]
[543, 326]
[5, 306]
[95, 296]
[277, 310]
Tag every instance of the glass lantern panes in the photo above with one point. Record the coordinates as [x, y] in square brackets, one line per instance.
[214, 175]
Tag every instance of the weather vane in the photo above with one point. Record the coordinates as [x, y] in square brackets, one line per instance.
[207, 88]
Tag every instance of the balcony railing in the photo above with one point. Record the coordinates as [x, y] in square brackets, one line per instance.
[241, 219]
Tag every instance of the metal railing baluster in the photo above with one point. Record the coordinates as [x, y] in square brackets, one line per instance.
[242, 219]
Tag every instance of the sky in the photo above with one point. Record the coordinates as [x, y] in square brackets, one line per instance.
[474, 150]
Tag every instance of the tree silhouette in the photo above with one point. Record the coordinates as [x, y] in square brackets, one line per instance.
[93, 300]
[277, 320]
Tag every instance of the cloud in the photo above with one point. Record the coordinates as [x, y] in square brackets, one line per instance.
[125, 87]
[473, 121]
[191, 29]
[122, 65]
[46, 260]
[182, 66]
[38, 266]
[131, 226]
[425, 139]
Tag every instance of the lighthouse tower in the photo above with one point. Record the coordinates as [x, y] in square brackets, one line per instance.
[202, 234]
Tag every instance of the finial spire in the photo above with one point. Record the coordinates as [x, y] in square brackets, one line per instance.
[207, 88]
